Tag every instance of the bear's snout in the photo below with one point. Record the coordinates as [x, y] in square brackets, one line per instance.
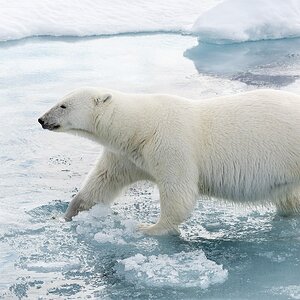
[41, 121]
[48, 126]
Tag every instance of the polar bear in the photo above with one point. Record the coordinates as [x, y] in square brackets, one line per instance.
[244, 148]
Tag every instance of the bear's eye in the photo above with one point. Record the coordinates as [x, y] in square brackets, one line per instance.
[63, 106]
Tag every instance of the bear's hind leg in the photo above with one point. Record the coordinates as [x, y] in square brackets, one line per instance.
[289, 204]
[176, 203]
[110, 175]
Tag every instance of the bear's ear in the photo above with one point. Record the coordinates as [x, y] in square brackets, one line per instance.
[103, 98]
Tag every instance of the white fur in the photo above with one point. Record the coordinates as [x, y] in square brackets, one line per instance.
[244, 148]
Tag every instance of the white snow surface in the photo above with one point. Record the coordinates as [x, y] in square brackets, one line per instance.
[26, 18]
[242, 20]
[216, 21]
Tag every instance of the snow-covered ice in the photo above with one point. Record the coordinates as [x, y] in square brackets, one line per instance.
[213, 21]
[26, 18]
[240, 20]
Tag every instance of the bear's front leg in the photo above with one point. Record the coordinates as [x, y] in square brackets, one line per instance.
[110, 175]
[176, 203]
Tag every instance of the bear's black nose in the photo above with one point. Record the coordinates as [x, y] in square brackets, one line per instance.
[41, 121]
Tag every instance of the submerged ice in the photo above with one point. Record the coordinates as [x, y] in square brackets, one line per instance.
[115, 228]
[273, 63]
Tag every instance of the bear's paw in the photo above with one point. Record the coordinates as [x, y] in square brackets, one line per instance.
[158, 229]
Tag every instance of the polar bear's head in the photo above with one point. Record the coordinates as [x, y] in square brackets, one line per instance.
[76, 111]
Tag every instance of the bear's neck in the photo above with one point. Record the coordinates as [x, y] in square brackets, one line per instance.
[117, 128]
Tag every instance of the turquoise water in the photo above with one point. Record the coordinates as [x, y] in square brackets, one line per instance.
[224, 251]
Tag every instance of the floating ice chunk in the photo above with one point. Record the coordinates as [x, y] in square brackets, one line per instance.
[186, 269]
[97, 211]
[106, 226]
[113, 237]
[241, 20]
